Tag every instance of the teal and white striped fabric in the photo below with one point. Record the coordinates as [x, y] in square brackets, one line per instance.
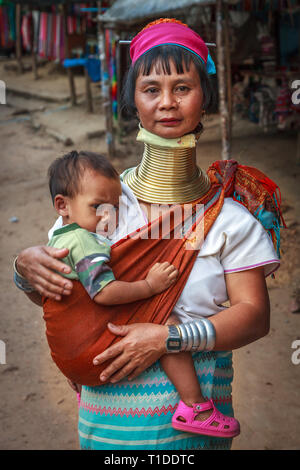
[136, 415]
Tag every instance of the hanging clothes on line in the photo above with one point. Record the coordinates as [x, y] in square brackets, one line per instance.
[110, 48]
[42, 35]
[26, 31]
[7, 26]
[49, 31]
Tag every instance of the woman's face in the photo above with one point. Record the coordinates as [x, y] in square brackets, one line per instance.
[169, 106]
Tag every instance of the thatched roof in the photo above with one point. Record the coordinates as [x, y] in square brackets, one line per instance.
[43, 3]
[128, 12]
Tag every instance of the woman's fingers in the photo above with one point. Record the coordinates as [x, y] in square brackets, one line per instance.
[135, 373]
[114, 350]
[54, 282]
[135, 351]
[127, 369]
[50, 284]
[109, 353]
[52, 262]
[121, 367]
[112, 353]
[118, 364]
[53, 291]
[118, 370]
[38, 266]
[120, 330]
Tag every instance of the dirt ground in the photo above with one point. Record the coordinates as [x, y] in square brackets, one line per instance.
[39, 410]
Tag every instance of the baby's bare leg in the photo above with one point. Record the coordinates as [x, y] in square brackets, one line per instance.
[180, 369]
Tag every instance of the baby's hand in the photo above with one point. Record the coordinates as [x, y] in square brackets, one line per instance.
[161, 276]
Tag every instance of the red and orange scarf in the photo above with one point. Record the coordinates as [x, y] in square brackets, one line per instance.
[76, 326]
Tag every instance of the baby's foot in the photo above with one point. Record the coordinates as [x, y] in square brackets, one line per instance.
[201, 415]
[204, 418]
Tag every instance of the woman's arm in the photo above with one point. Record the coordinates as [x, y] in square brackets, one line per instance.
[244, 322]
[248, 317]
[37, 264]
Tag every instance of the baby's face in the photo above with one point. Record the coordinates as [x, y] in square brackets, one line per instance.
[96, 207]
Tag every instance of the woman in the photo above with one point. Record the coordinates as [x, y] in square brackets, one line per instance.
[168, 86]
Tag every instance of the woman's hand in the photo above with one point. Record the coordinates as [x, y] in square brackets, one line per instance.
[37, 264]
[142, 345]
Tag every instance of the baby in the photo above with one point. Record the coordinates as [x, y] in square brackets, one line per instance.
[80, 183]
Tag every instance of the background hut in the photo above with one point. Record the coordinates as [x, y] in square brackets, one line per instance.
[231, 24]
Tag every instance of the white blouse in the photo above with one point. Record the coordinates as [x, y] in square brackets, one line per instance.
[236, 242]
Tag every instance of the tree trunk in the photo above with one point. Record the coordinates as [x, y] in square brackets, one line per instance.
[106, 89]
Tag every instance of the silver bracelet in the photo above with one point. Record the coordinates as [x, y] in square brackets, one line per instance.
[202, 333]
[21, 282]
[184, 337]
[190, 337]
[199, 335]
[210, 334]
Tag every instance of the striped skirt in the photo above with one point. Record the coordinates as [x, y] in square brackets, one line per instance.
[136, 415]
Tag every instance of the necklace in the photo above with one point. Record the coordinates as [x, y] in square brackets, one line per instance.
[168, 173]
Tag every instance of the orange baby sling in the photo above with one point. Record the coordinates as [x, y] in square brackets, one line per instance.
[76, 327]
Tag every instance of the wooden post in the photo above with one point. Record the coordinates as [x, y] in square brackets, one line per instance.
[106, 88]
[34, 50]
[298, 148]
[118, 66]
[290, 10]
[221, 81]
[270, 16]
[34, 65]
[18, 38]
[88, 92]
[69, 69]
[206, 12]
[277, 36]
[228, 73]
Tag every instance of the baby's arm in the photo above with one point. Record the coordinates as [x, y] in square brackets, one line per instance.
[160, 277]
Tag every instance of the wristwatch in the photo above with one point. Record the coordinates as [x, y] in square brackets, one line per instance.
[173, 341]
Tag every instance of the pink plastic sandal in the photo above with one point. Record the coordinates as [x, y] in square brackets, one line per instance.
[217, 424]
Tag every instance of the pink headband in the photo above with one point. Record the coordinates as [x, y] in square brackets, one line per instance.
[170, 33]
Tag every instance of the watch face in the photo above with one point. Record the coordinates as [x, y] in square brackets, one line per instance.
[173, 344]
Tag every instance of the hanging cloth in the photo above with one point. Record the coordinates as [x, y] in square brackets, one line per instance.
[26, 28]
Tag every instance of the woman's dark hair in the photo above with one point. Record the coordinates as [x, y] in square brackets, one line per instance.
[163, 55]
[65, 172]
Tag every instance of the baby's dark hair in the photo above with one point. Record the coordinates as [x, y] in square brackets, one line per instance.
[65, 172]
